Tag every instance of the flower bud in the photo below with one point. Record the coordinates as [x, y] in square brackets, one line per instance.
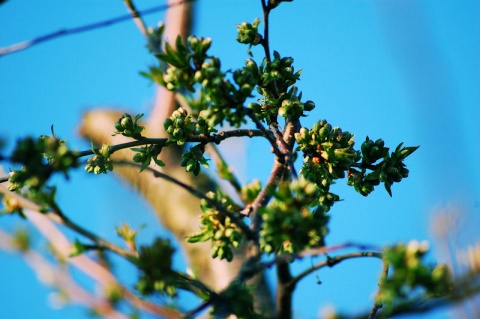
[309, 105]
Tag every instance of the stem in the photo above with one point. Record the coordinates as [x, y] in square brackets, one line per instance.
[192, 313]
[377, 306]
[284, 290]
[265, 42]
[330, 262]
[141, 26]
[192, 190]
[100, 242]
[219, 160]
[268, 135]
[88, 27]
[213, 138]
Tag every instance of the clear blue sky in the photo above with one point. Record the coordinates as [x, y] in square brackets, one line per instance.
[406, 71]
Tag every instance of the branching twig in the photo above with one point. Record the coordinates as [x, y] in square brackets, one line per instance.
[332, 261]
[58, 217]
[59, 277]
[213, 138]
[218, 158]
[269, 136]
[89, 27]
[192, 190]
[61, 218]
[465, 288]
[141, 25]
[265, 41]
[378, 305]
[192, 313]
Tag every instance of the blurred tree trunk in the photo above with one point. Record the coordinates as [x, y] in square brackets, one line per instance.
[177, 209]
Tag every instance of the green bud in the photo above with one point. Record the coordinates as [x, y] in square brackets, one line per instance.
[309, 105]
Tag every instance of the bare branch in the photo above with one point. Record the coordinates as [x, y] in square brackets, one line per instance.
[89, 27]
[332, 261]
[192, 190]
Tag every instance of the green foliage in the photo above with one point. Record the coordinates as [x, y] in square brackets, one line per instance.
[329, 154]
[180, 126]
[279, 95]
[40, 159]
[155, 266]
[194, 159]
[129, 127]
[236, 300]
[217, 228]
[248, 33]
[146, 154]
[410, 272]
[389, 170]
[289, 225]
[287, 215]
[100, 163]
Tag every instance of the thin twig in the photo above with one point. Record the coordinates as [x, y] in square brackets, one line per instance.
[378, 305]
[268, 135]
[218, 158]
[58, 217]
[265, 41]
[192, 190]
[60, 278]
[213, 138]
[192, 313]
[89, 27]
[136, 16]
[100, 242]
[332, 261]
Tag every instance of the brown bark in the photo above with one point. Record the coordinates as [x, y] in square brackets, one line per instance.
[177, 209]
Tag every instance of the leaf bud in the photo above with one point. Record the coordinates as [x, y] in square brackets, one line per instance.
[309, 105]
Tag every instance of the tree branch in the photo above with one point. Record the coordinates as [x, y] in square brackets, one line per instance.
[213, 138]
[332, 261]
[89, 27]
[192, 190]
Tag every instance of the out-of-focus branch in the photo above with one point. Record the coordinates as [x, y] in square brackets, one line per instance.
[58, 217]
[236, 219]
[59, 277]
[177, 209]
[63, 248]
[89, 27]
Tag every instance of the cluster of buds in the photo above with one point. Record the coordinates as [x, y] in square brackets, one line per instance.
[100, 162]
[289, 225]
[328, 152]
[275, 85]
[185, 62]
[146, 154]
[180, 126]
[247, 77]
[247, 33]
[292, 107]
[129, 127]
[199, 48]
[194, 159]
[411, 273]
[217, 228]
[40, 158]
[389, 170]
[155, 264]
[175, 79]
[128, 235]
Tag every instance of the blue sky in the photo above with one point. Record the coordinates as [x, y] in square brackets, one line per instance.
[405, 71]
